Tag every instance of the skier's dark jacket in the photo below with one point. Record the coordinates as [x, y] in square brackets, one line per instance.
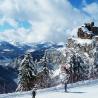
[34, 93]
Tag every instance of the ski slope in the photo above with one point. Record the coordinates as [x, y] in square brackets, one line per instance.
[87, 91]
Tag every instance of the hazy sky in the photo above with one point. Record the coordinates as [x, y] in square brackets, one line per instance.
[44, 20]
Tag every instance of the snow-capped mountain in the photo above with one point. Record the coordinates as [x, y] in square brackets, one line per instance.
[10, 50]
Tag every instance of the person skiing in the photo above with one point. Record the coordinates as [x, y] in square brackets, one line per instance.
[64, 79]
[65, 87]
[66, 82]
[34, 92]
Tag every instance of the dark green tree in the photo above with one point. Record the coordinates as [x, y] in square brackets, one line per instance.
[45, 72]
[77, 68]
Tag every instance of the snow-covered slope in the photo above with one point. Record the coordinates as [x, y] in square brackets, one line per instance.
[87, 91]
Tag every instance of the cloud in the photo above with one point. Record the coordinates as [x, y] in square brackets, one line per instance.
[50, 19]
[92, 10]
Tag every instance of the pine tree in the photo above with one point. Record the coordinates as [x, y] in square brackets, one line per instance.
[77, 68]
[27, 74]
[45, 73]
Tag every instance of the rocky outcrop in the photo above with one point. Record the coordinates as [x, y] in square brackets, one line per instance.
[87, 31]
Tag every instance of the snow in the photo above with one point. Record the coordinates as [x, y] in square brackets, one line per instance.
[30, 50]
[78, 92]
[62, 50]
[83, 41]
[86, 91]
[72, 33]
[86, 30]
[7, 50]
[61, 43]
[56, 72]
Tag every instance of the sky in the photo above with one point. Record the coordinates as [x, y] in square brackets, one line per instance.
[44, 20]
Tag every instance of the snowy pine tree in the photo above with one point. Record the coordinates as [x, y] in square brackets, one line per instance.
[44, 74]
[78, 69]
[27, 74]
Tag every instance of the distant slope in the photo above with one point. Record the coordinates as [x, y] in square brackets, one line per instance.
[9, 50]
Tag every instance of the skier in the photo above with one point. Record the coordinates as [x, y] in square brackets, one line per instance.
[34, 92]
[66, 82]
[65, 87]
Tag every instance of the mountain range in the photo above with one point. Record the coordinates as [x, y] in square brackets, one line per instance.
[9, 51]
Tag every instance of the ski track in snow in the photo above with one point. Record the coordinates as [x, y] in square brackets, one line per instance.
[87, 91]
